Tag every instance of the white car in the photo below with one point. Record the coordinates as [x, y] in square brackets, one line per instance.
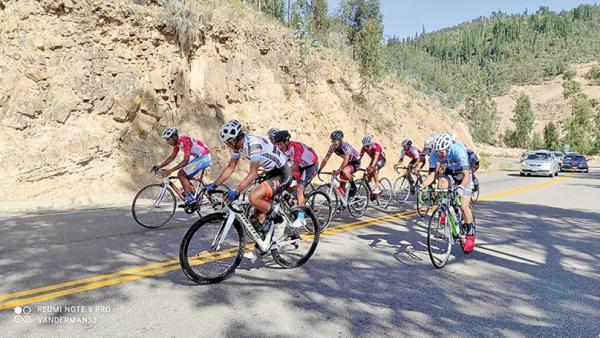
[541, 162]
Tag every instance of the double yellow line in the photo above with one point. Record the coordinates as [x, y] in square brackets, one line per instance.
[25, 297]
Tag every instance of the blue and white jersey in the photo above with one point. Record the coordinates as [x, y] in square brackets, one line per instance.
[457, 158]
[258, 149]
[433, 159]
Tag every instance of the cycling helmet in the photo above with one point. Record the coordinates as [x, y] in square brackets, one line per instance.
[442, 142]
[271, 133]
[367, 140]
[281, 136]
[407, 143]
[429, 142]
[230, 131]
[169, 132]
[337, 135]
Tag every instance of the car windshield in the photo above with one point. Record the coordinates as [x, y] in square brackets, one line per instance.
[538, 156]
[579, 158]
[558, 154]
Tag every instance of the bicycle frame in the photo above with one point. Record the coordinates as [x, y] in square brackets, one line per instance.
[167, 181]
[333, 186]
[264, 245]
[445, 197]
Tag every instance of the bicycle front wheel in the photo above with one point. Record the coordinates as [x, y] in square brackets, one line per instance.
[322, 207]
[297, 245]
[439, 237]
[154, 206]
[357, 206]
[401, 189]
[205, 259]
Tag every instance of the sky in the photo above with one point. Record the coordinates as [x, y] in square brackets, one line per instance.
[403, 18]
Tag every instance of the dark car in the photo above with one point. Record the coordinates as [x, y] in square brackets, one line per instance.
[575, 163]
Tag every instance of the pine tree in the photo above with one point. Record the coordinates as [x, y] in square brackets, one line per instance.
[523, 119]
[580, 131]
[551, 138]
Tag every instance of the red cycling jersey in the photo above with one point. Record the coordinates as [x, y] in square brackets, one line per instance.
[373, 150]
[302, 154]
[413, 153]
[191, 146]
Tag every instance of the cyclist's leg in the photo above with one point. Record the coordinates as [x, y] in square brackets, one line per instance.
[306, 177]
[380, 164]
[260, 198]
[348, 173]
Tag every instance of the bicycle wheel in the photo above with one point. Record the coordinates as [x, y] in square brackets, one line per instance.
[357, 206]
[205, 264]
[153, 206]
[475, 196]
[401, 189]
[333, 197]
[322, 207]
[386, 193]
[439, 238]
[422, 197]
[297, 245]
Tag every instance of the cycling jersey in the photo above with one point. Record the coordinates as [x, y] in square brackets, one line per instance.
[433, 158]
[302, 154]
[344, 149]
[473, 158]
[457, 158]
[413, 153]
[258, 149]
[191, 146]
[373, 150]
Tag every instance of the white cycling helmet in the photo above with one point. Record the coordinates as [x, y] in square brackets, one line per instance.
[169, 132]
[429, 142]
[231, 130]
[442, 142]
[367, 140]
[407, 143]
[271, 133]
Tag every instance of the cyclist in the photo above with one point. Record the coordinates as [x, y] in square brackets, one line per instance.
[377, 156]
[432, 158]
[186, 169]
[474, 160]
[262, 154]
[417, 159]
[271, 134]
[350, 163]
[457, 173]
[304, 165]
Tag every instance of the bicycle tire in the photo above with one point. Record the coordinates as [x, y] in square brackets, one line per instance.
[387, 193]
[288, 259]
[335, 200]
[204, 258]
[401, 189]
[422, 207]
[323, 209]
[445, 228]
[476, 189]
[358, 205]
[172, 204]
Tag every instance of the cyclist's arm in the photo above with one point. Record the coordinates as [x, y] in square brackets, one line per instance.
[226, 173]
[324, 162]
[466, 178]
[168, 160]
[183, 163]
[431, 176]
[345, 161]
[251, 177]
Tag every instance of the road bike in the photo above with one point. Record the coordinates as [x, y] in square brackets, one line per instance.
[382, 198]
[426, 199]
[340, 198]
[213, 247]
[445, 226]
[155, 204]
[318, 201]
[475, 196]
[406, 184]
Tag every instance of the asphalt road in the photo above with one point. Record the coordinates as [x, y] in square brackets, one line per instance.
[535, 272]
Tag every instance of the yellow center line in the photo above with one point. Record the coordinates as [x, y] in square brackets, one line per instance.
[130, 274]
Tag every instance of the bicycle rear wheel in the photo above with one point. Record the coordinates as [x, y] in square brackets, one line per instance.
[357, 206]
[475, 196]
[333, 197]
[439, 238]
[154, 206]
[424, 202]
[386, 193]
[205, 264]
[297, 245]
[322, 207]
[401, 189]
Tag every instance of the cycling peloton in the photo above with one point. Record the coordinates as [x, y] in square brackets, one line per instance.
[454, 155]
[186, 169]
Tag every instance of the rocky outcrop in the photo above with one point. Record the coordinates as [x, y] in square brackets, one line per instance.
[90, 84]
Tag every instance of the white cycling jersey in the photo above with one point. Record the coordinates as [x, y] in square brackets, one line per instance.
[262, 151]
